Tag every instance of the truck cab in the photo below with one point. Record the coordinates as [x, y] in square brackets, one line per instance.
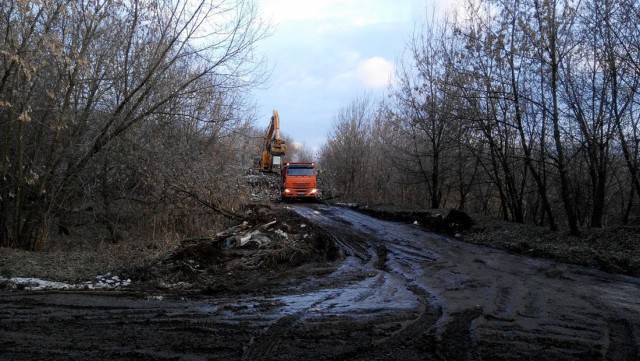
[299, 181]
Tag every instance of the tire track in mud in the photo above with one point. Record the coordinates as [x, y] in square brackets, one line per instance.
[487, 304]
[86, 326]
[414, 335]
[262, 347]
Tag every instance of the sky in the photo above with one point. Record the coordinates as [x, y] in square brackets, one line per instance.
[324, 53]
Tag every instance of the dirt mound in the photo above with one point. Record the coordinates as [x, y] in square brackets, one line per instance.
[455, 221]
[272, 242]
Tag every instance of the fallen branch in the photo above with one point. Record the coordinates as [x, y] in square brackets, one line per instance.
[267, 225]
[218, 209]
[233, 230]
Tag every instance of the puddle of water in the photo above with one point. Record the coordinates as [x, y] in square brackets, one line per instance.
[372, 295]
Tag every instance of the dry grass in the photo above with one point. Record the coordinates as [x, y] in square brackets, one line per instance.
[613, 249]
[76, 260]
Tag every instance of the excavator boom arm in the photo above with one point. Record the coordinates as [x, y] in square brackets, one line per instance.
[273, 147]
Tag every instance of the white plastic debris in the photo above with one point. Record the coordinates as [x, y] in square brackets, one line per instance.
[282, 233]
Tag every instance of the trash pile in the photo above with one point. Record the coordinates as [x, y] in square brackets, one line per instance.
[271, 239]
[248, 246]
[264, 187]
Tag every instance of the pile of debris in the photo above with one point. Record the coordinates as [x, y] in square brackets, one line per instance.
[248, 246]
[271, 239]
[264, 187]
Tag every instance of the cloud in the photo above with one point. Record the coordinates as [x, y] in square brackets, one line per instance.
[324, 52]
[375, 72]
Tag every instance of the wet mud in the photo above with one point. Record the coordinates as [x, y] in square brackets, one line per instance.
[390, 291]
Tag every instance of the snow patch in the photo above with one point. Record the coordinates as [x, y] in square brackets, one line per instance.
[35, 284]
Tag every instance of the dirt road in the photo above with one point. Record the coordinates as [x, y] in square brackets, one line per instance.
[399, 293]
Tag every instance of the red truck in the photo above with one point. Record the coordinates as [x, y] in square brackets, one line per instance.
[299, 181]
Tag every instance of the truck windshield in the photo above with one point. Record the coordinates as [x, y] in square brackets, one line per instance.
[300, 171]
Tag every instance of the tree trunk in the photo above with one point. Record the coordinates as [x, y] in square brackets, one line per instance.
[565, 186]
[540, 184]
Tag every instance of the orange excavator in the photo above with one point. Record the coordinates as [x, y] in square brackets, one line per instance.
[273, 147]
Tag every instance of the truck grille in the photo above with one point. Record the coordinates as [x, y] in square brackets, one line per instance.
[301, 187]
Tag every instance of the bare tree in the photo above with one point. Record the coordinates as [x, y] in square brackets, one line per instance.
[78, 76]
[424, 105]
[621, 35]
[554, 21]
[347, 153]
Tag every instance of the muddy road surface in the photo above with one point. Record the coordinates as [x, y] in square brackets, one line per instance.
[399, 292]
